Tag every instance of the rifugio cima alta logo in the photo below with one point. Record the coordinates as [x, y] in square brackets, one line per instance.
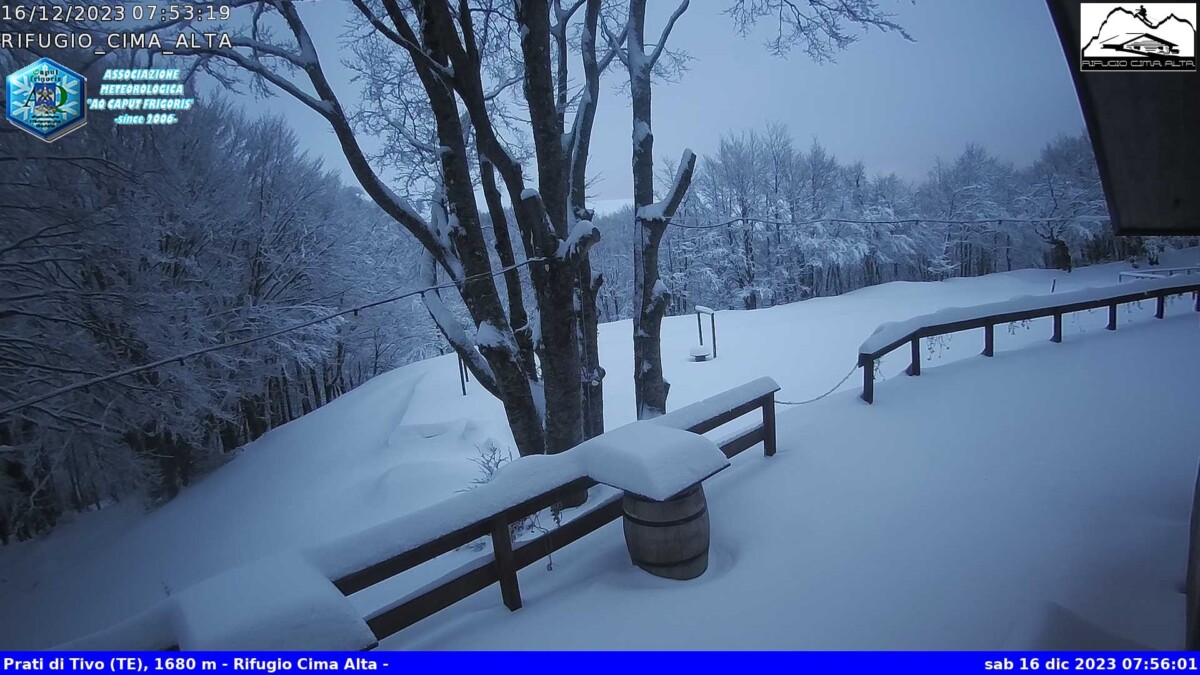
[1128, 37]
[46, 99]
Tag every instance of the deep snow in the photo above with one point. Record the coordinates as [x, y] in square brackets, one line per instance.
[983, 505]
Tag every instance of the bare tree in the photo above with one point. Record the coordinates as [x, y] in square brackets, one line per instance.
[651, 296]
[816, 26]
[462, 59]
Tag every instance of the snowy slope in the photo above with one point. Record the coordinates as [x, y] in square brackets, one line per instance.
[404, 440]
[955, 513]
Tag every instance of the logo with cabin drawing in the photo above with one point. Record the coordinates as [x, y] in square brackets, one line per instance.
[1140, 38]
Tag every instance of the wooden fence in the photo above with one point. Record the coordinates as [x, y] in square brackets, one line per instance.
[507, 558]
[1158, 272]
[944, 323]
[152, 629]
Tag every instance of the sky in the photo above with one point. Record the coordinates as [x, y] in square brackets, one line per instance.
[984, 71]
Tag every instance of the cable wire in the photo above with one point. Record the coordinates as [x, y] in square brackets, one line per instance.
[55, 393]
[818, 398]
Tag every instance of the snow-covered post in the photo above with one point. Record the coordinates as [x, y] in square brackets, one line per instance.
[502, 549]
[712, 321]
[868, 365]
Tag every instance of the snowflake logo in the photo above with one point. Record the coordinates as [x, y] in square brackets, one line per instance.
[46, 99]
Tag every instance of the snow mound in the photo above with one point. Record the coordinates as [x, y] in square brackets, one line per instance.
[651, 460]
[274, 603]
[1053, 627]
[152, 630]
[278, 602]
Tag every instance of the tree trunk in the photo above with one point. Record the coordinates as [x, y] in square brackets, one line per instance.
[650, 297]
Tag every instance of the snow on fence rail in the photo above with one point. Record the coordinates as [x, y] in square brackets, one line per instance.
[1158, 273]
[329, 572]
[890, 336]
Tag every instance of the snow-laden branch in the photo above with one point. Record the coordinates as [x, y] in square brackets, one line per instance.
[583, 236]
[456, 334]
[666, 32]
[664, 210]
[616, 44]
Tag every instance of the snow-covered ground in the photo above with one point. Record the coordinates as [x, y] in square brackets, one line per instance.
[990, 504]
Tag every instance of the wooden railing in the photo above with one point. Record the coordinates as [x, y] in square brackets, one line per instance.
[1158, 272]
[151, 630]
[989, 316]
[507, 558]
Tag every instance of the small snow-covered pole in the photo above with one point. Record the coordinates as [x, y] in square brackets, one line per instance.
[699, 328]
[1112, 317]
[1197, 306]
[914, 368]
[1161, 308]
[462, 376]
[712, 317]
[1057, 337]
[989, 340]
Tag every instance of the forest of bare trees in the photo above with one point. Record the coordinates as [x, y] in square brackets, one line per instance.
[769, 221]
[136, 246]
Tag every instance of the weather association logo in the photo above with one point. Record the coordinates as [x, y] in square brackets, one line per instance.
[1124, 37]
[45, 99]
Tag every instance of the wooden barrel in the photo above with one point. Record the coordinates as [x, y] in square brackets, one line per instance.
[670, 538]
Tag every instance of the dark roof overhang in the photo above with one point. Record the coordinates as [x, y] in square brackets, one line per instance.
[1145, 130]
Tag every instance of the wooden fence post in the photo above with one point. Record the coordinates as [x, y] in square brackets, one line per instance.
[1160, 307]
[989, 340]
[868, 392]
[1057, 337]
[1112, 317]
[914, 368]
[502, 547]
[769, 426]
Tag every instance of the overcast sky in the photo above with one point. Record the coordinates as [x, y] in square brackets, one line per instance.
[986, 71]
